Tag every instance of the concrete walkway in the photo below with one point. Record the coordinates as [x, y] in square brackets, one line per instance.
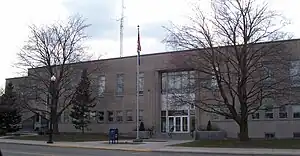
[157, 147]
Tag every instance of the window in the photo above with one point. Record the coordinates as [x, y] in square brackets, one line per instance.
[268, 74]
[141, 83]
[141, 112]
[269, 112]
[66, 116]
[269, 135]
[110, 116]
[282, 112]
[164, 82]
[120, 84]
[119, 116]
[296, 135]
[100, 116]
[129, 115]
[296, 111]
[179, 82]
[93, 115]
[214, 83]
[255, 115]
[268, 107]
[101, 85]
[192, 79]
[163, 121]
[214, 116]
[295, 73]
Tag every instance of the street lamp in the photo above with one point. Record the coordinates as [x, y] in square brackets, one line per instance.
[52, 81]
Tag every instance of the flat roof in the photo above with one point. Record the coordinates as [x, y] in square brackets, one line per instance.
[151, 54]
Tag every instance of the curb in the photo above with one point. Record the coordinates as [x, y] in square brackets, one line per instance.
[103, 148]
[231, 153]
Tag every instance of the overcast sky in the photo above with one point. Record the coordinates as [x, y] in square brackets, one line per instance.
[151, 15]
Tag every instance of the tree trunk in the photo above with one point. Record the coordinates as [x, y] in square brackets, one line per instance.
[55, 127]
[244, 136]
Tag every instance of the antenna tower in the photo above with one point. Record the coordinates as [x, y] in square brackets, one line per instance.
[122, 29]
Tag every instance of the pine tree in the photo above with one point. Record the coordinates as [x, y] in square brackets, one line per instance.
[10, 117]
[82, 103]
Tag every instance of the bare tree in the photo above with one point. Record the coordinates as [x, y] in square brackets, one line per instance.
[237, 69]
[54, 49]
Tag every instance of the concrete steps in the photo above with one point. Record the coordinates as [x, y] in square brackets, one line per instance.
[173, 136]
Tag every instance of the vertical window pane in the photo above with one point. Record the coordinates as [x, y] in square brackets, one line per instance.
[163, 124]
[163, 82]
[66, 118]
[268, 73]
[93, 115]
[171, 82]
[100, 117]
[296, 111]
[110, 116]
[214, 82]
[192, 79]
[177, 82]
[129, 115]
[141, 83]
[101, 85]
[177, 124]
[185, 82]
[120, 84]
[268, 106]
[119, 116]
[282, 112]
[141, 114]
[295, 72]
[185, 124]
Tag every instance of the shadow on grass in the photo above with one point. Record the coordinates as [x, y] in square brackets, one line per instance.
[275, 144]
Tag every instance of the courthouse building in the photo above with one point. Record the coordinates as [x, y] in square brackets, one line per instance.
[115, 91]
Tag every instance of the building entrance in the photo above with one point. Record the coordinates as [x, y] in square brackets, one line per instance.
[178, 124]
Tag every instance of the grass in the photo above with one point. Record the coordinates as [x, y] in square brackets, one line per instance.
[275, 144]
[69, 137]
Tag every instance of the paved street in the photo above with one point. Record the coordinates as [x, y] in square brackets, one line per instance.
[31, 150]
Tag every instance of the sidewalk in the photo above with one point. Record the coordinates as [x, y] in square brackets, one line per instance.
[157, 147]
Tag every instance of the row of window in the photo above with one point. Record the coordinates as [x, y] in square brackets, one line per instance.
[294, 72]
[107, 116]
[282, 113]
[120, 84]
[272, 135]
[178, 82]
[268, 113]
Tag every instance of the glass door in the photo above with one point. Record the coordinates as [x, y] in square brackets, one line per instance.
[177, 124]
[171, 124]
[185, 124]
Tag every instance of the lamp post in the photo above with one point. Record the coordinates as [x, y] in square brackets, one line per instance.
[52, 81]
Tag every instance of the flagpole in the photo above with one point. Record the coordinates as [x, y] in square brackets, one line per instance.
[137, 88]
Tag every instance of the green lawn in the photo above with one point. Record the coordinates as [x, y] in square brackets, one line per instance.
[283, 144]
[69, 137]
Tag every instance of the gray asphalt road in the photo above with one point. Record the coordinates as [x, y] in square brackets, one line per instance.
[28, 150]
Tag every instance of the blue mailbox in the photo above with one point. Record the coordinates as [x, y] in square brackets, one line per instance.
[113, 135]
